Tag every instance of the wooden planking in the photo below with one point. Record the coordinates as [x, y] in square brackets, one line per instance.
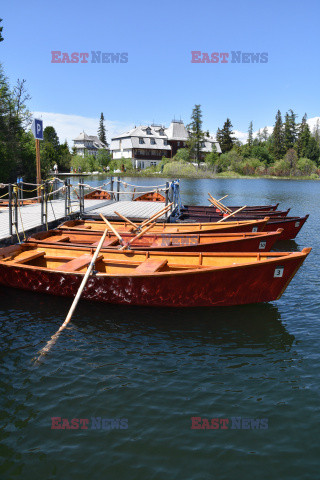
[31, 215]
[135, 211]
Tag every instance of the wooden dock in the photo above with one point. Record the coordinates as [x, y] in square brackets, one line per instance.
[29, 216]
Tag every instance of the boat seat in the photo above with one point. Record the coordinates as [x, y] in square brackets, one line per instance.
[151, 266]
[27, 256]
[107, 243]
[77, 263]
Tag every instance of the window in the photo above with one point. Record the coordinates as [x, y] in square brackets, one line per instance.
[141, 141]
[178, 144]
[165, 142]
[161, 132]
[148, 131]
[152, 141]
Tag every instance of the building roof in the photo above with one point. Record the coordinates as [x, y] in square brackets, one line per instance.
[82, 136]
[177, 131]
[141, 131]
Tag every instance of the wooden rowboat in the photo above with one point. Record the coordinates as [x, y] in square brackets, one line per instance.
[150, 197]
[212, 216]
[151, 278]
[205, 208]
[171, 228]
[97, 195]
[220, 242]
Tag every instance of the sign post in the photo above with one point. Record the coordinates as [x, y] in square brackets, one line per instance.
[37, 130]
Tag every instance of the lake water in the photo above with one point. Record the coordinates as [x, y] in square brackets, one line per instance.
[155, 369]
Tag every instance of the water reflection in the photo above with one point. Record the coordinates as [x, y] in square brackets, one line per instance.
[253, 326]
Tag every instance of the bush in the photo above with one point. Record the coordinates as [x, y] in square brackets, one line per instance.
[116, 164]
[249, 166]
[229, 161]
[174, 169]
[182, 155]
[305, 166]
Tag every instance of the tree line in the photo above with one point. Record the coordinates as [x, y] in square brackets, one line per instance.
[290, 149]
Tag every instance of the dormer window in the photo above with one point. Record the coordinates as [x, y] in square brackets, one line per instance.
[141, 141]
[161, 132]
[152, 141]
[148, 131]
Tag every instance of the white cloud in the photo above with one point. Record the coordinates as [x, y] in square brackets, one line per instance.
[68, 127]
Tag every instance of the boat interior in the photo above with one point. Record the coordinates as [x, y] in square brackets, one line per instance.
[71, 259]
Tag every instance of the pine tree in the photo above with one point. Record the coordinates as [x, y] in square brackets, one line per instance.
[316, 132]
[265, 134]
[224, 136]
[290, 132]
[1, 28]
[196, 135]
[102, 130]
[277, 137]
[250, 134]
[304, 136]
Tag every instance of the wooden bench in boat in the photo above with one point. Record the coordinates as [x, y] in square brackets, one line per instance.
[77, 263]
[151, 266]
[107, 243]
[27, 256]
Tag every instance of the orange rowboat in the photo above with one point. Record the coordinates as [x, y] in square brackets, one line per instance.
[219, 242]
[151, 278]
[171, 228]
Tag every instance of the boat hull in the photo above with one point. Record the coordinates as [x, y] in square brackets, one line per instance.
[233, 285]
[247, 242]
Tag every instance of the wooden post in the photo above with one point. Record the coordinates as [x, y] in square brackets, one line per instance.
[10, 209]
[118, 189]
[111, 188]
[167, 196]
[66, 198]
[38, 167]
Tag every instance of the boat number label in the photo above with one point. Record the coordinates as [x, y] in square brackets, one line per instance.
[262, 245]
[255, 229]
[278, 272]
[176, 240]
[297, 224]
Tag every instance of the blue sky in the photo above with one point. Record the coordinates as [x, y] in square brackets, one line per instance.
[159, 81]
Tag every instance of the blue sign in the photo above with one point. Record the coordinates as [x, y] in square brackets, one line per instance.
[37, 129]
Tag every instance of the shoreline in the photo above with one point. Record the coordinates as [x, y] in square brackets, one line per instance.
[191, 177]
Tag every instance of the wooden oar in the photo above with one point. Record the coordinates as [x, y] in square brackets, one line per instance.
[215, 204]
[137, 236]
[220, 204]
[156, 215]
[113, 229]
[126, 219]
[212, 204]
[54, 337]
[231, 214]
[223, 198]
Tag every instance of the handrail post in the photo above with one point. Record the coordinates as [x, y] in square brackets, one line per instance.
[66, 198]
[81, 196]
[16, 212]
[69, 197]
[10, 208]
[167, 192]
[42, 202]
[111, 188]
[118, 189]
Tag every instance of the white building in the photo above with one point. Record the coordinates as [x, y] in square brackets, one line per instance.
[88, 144]
[146, 145]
